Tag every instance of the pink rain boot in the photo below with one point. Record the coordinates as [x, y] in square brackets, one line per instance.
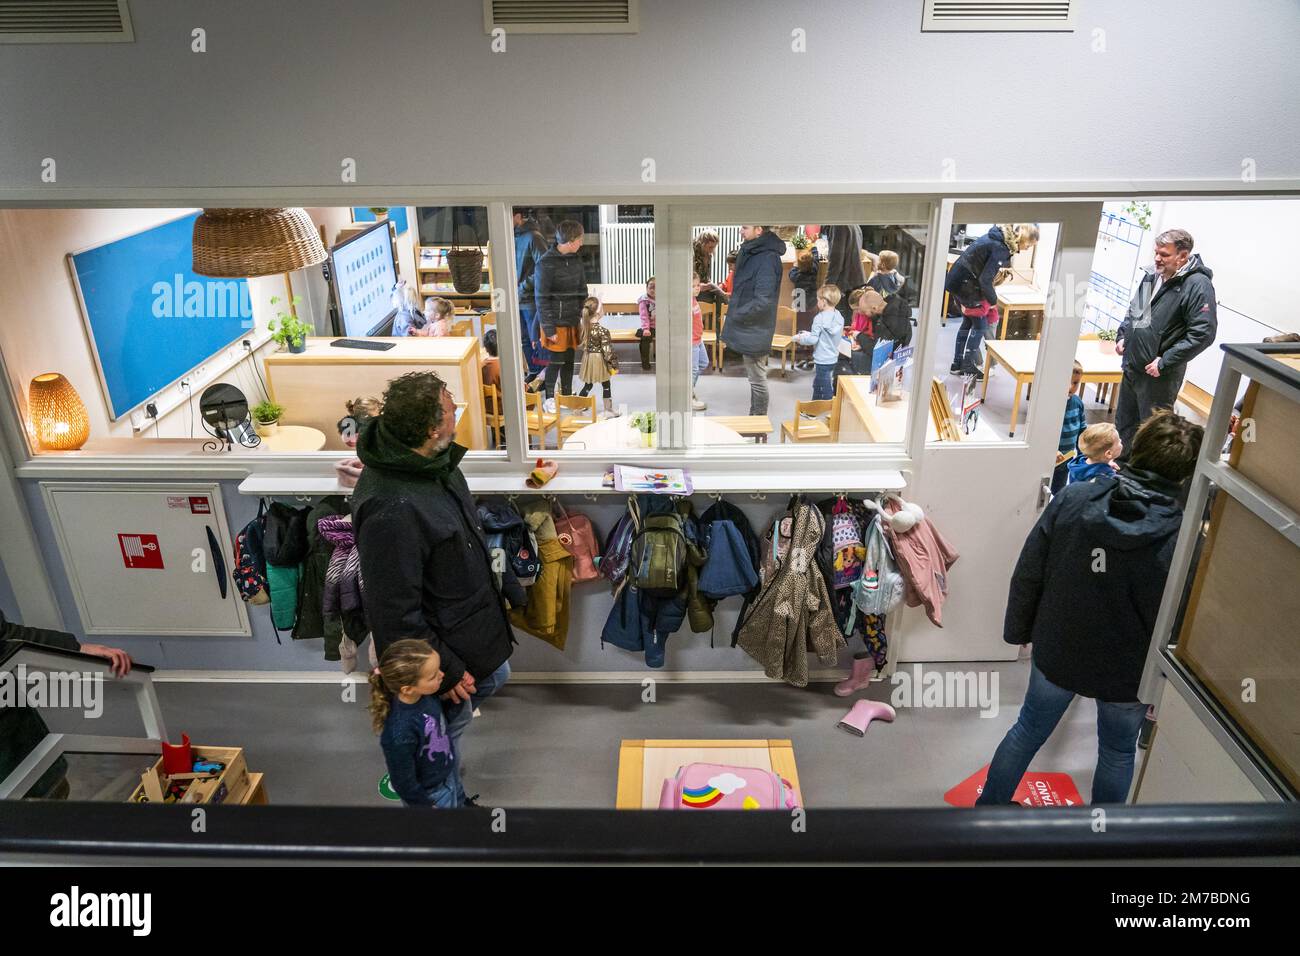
[860, 677]
[863, 713]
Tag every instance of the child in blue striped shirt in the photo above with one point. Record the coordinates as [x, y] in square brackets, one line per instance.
[1071, 427]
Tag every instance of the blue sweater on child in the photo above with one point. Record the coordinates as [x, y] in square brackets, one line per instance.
[825, 336]
[417, 750]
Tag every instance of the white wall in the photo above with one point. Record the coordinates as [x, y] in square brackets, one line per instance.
[711, 91]
[1250, 247]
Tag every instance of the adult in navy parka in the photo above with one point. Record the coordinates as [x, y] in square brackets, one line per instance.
[970, 282]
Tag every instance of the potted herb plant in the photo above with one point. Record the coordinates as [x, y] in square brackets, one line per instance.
[266, 418]
[1106, 338]
[287, 329]
[644, 423]
[380, 212]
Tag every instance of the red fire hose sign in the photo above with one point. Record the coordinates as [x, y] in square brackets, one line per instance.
[140, 550]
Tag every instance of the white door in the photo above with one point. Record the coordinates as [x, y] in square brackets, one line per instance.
[147, 559]
[984, 495]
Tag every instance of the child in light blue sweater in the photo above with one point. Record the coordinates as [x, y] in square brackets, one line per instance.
[825, 336]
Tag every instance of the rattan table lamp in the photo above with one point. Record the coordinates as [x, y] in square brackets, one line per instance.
[58, 417]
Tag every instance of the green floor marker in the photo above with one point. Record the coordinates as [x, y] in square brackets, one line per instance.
[386, 789]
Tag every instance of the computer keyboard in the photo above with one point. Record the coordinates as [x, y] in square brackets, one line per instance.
[363, 344]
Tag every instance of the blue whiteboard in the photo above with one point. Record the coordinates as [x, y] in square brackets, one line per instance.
[395, 213]
[150, 318]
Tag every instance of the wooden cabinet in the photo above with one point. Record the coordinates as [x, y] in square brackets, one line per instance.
[314, 386]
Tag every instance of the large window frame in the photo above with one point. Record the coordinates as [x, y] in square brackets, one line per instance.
[849, 466]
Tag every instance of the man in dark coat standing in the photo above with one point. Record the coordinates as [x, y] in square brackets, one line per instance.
[1085, 593]
[844, 264]
[751, 317]
[426, 570]
[1170, 321]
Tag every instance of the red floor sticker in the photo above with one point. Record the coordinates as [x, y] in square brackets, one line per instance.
[1036, 789]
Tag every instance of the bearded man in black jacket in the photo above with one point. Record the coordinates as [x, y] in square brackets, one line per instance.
[426, 570]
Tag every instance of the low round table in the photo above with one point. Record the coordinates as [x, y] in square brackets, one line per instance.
[618, 434]
[294, 438]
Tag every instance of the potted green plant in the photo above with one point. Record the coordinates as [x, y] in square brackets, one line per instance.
[1106, 338]
[380, 212]
[644, 423]
[287, 329]
[266, 418]
[800, 240]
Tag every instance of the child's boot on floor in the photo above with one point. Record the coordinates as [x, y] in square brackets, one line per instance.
[860, 677]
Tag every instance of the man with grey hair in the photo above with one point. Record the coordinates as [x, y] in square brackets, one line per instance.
[1170, 321]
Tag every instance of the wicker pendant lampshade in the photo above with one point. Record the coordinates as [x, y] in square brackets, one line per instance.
[242, 243]
[58, 417]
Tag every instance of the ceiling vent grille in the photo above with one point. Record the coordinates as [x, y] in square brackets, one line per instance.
[561, 16]
[998, 15]
[65, 21]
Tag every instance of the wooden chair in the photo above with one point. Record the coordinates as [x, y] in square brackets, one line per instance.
[710, 341]
[812, 429]
[576, 419]
[494, 415]
[463, 327]
[783, 340]
[538, 420]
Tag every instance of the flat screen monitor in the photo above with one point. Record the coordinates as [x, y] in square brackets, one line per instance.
[364, 271]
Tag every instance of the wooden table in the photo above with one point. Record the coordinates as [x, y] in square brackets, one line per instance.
[315, 385]
[1020, 357]
[1020, 298]
[294, 438]
[863, 421]
[748, 426]
[617, 298]
[644, 765]
[618, 434]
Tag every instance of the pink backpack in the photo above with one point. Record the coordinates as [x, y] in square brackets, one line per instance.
[713, 786]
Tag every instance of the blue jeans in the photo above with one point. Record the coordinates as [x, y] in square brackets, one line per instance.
[966, 354]
[1118, 726]
[449, 794]
[459, 715]
[528, 329]
[700, 361]
[823, 382]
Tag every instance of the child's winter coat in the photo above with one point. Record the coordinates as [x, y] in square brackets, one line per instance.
[547, 613]
[792, 613]
[924, 557]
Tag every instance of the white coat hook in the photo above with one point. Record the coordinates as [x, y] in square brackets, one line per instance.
[590, 496]
[715, 495]
[758, 495]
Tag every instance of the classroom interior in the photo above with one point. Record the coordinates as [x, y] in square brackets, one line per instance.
[140, 341]
[179, 354]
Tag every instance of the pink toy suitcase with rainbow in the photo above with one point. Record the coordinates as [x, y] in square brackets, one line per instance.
[713, 786]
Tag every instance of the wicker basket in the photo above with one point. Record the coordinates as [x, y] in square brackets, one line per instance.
[466, 267]
[241, 243]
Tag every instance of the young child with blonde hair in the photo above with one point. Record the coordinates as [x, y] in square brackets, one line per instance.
[1099, 446]
[406, 713]
[825, 336]
[440, 313]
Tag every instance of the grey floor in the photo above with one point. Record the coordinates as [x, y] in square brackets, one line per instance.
[726, 392]
[556, 745]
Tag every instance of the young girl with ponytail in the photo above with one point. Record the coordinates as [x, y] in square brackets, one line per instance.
[405, 711]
